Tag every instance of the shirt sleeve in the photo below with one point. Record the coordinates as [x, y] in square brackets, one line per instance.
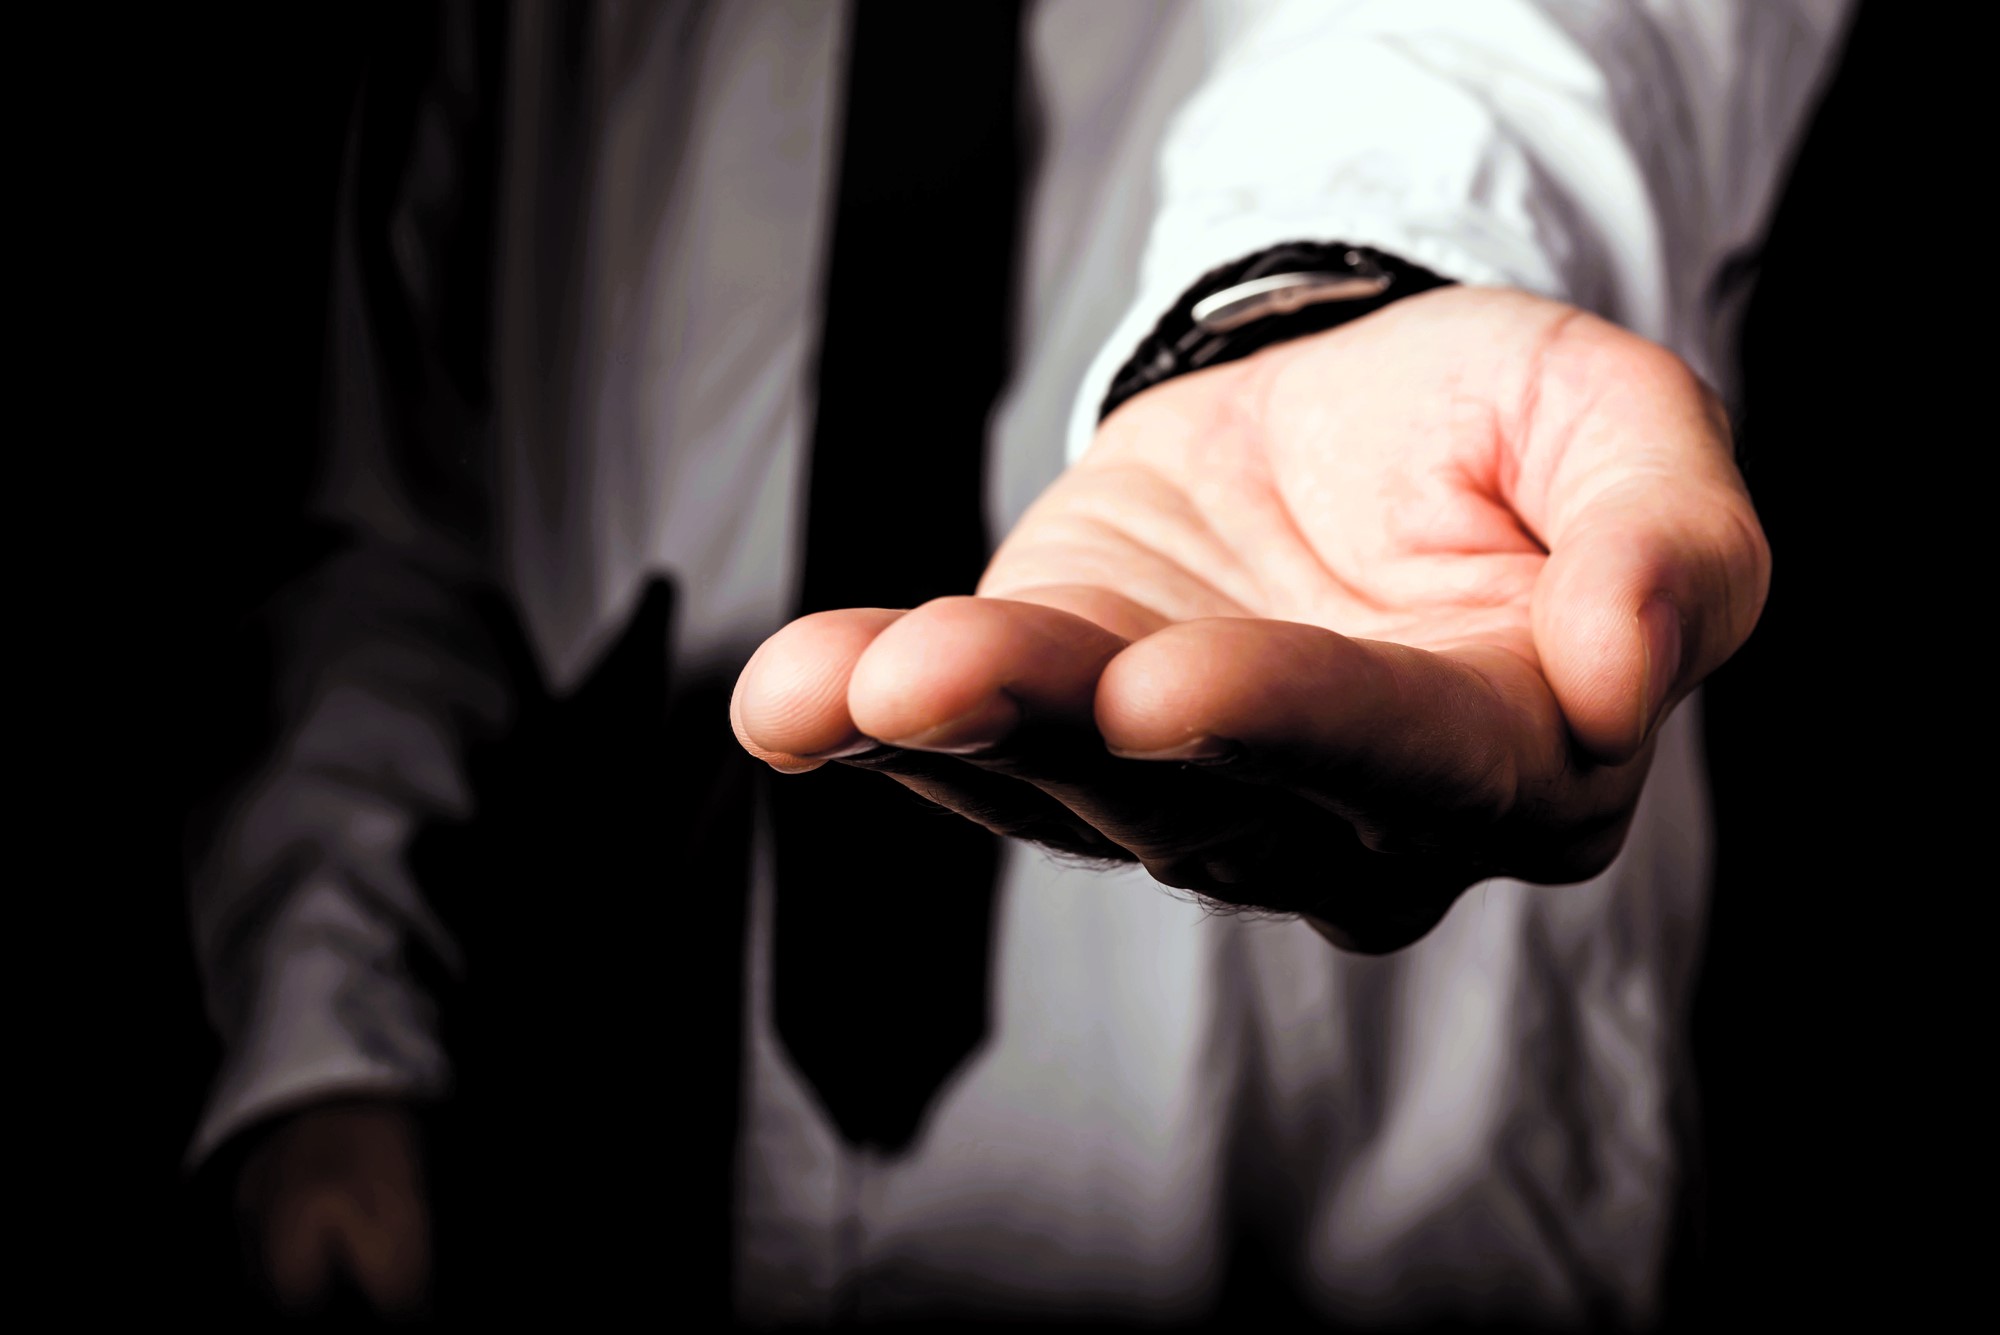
[1621, 157]
[306, 920]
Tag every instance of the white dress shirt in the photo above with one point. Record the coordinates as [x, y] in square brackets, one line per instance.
[1484, 1123]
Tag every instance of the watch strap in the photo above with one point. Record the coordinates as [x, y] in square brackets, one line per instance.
[1285, 292]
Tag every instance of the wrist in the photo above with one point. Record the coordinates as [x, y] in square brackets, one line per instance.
[1267, 297]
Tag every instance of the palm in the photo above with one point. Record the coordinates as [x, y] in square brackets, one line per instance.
[1381, 520]
[1331, 574]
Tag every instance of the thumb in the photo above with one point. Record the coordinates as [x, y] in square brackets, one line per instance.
[1657, 573]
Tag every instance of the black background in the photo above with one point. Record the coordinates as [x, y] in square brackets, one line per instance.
[172, 184]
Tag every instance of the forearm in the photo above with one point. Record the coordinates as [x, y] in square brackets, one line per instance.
[1611, 157]
[323, 1007]
[306, 918]
[383, 667]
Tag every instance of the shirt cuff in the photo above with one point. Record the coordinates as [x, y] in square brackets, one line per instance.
[331, 1012]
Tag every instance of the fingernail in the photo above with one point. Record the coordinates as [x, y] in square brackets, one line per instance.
[1195, 750]
[1660, 621]
[977, 729]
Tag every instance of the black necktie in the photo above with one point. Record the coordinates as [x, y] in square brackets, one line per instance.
[880, 952]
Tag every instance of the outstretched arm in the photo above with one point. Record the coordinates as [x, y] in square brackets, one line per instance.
[1344, 627]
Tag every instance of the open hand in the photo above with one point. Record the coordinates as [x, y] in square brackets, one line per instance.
[1339, 629]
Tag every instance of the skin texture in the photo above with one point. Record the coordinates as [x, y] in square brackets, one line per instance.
[1340, 629]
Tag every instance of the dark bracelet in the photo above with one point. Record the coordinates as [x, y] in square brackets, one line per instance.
[1286, 292]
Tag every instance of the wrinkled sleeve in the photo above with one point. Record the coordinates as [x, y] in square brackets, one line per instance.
[306, 919]
[1623, 157]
